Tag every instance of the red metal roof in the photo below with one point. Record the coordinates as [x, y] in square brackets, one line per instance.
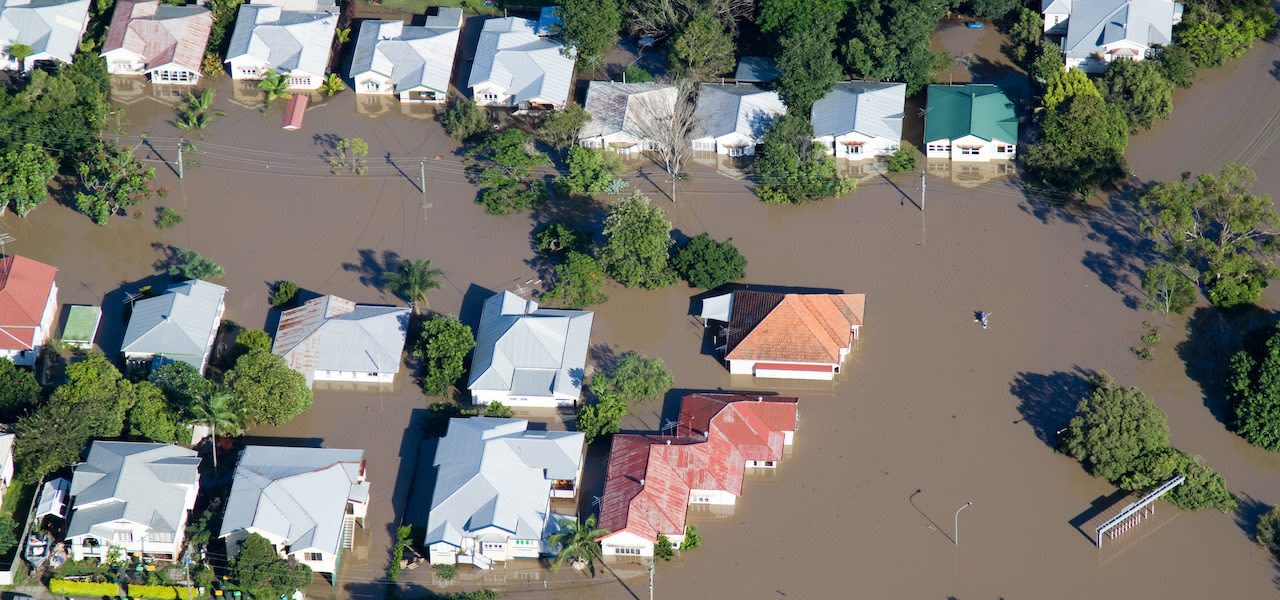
[25, 287]
[174, 37]
[647, 488]
[293, 112]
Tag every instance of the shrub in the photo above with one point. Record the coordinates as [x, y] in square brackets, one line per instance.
[403, 533]
[1268, 531]
[284, 294]
[189, 264]
[636, 74]
[253, 340]
[158, 592]
[663, 549]
[445, 572]
[559, 237]
[691, 539]
[63, 587]
[499, 410]
[168, 218]
[464, 120]
[904, 160]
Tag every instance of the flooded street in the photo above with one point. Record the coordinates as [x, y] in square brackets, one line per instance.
[932, 411]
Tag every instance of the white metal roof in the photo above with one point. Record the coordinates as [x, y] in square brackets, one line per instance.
[285, 40]
[1093, 24]
[873, 109]
[178, 324]
[332, 334]
[410, 56]
[496, 473]
[530, 351]
[297, 494]
[744, 109]
[624, 107]
[49, 27]
[512, 56]
[136, 482]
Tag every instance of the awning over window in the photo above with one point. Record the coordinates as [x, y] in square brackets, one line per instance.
[717, 308]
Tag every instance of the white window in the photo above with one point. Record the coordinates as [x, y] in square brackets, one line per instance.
[704, 145]
[628, 551]
[312, 556]
[123, 536]
[488, 546]
[700, 500]
[489, 97]
[249, 72]
[300, 81]
[970, 150]
[737, 151]
[855, 149]
[371, 86]
[1003, 148]
[939, 147]
[172, 76]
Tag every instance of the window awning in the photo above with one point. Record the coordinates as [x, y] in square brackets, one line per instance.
[717, 308]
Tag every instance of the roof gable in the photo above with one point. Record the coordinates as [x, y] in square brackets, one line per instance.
[746, 110]
[26, 287]
[137, 482]
[512, 56]
[873, 109]
[160, 35]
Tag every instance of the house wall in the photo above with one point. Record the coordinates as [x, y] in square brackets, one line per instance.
[613, 141]
[246, 67]
[871, 147]
[117, 534]
[373, 83]
[353, 376]
[762, 464]
[124, 62]
[732, 144]
[441, 553]
[208, 346]
[625, 543]
[1055, 23]
[956, 149]
[788, 437]
[174, 74]
[424, 96]
[505, 397]
[717, 497]
[488, 94]
[27, 358]
[750, 367]
[328, 563]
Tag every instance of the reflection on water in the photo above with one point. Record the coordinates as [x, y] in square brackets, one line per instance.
[377, 105]
[128, 89]
[970, 174]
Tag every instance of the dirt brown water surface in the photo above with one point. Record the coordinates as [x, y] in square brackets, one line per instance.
[933, 411]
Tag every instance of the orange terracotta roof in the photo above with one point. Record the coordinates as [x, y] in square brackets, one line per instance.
[807, 328]
[25, 287]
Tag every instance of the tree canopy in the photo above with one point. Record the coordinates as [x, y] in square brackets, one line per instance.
[578, 282]
[1113, 428]
[792, 169]
[19, 391]
[1168, 289]
[636, 379]
[591, 171]
[561, 128]
[637, 244]
[1215, 32]
[808, 65]
[25, 173]
[1081, 145]
[267, 390]
[1216, 227]
[261, 571]
[703, 48]
[591, 27]
[1140, 89]
[189, 264]
[463, 120]
[706, 263]
[504, 170]
[1065, 84]
[153, 417]
[412, 280]
[442, 347]
[889, 40]
[1253, 387]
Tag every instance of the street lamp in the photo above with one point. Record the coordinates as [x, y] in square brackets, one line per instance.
[957, 524]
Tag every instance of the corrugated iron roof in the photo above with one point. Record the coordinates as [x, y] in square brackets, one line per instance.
[25, 287]
[160, 35]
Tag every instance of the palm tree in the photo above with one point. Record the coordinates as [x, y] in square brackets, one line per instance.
[344, 34]
[198, 112]
[332, 84]
[274, 84]
[411, 280]
[576, 541]
[19, 52]
[217, 410]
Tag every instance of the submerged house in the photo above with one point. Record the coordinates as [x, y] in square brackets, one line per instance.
[494, 482]
[732, 119]
[161, 41]
[291, 37]
[333, 339]
[970, 122]
[412, 62]
[1097, 32]
[177, 326]
[860, 119]
[652, 479]
[133, 496]
[306, 501]
[50, 29]
[786, 336]
[28, 303]
[528, 356]
[625, 116]
[514, 66]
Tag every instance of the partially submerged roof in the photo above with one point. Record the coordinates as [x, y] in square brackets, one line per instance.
[297, 494]
[512, 56]
[980, 110]
[873, 109]
[497, 473]
[804, 328]
[1097, 23]
[530, 351]
[412, 57]
[757, 69]
[178, 325]
[160, 34]
[631, 108]
[25, 288]
[82, 323]
[141, 483]
[743, 109]
[51, 27]
[332, 334]
[285, 40]
[753, 423]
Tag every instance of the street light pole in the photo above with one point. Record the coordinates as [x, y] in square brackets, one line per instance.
[957, 524]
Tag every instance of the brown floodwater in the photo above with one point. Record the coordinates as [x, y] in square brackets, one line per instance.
[933, 411]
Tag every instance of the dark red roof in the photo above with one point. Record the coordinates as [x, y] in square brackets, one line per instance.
[25, 287]
[647, 488]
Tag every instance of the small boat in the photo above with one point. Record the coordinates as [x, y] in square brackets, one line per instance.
[36, 550]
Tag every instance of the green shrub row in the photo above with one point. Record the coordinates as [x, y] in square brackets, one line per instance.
[157, 592]
[63, 587]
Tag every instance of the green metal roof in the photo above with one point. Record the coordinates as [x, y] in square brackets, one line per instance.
[82, 323]
[981, 110]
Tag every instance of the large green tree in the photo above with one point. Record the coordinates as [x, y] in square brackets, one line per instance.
[112, 181]
[703, 48]
[1203, 487]
[808, 65]
[601, 418]
[560, 129]
[1025, 34]
[153, 418]
[49, 439]
[1065, 84]
[504, 171]
[792, 169]
[1081, 145]
[260, 570]
[1219, 229]
[1140, 89]
[637, 244]
[464, 119]
[189, 264]
[1168, 289]
[442, 347]
[578, 282]
[19, 391]
[591, 171]
[267, 390]
[1215, 31]
[96, 390]
[591, 27]
[1267, 532]
[1113, 428]
[636, 379]
[889, 40]
[706, 263]
[25, 173]
[1253, 387]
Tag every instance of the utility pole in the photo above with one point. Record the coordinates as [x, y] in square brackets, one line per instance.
[922, 190]
[651, 561]
[181, 142]
[422, 180]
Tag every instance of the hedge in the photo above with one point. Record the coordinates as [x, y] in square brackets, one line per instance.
[63, 587]
[158, 592]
